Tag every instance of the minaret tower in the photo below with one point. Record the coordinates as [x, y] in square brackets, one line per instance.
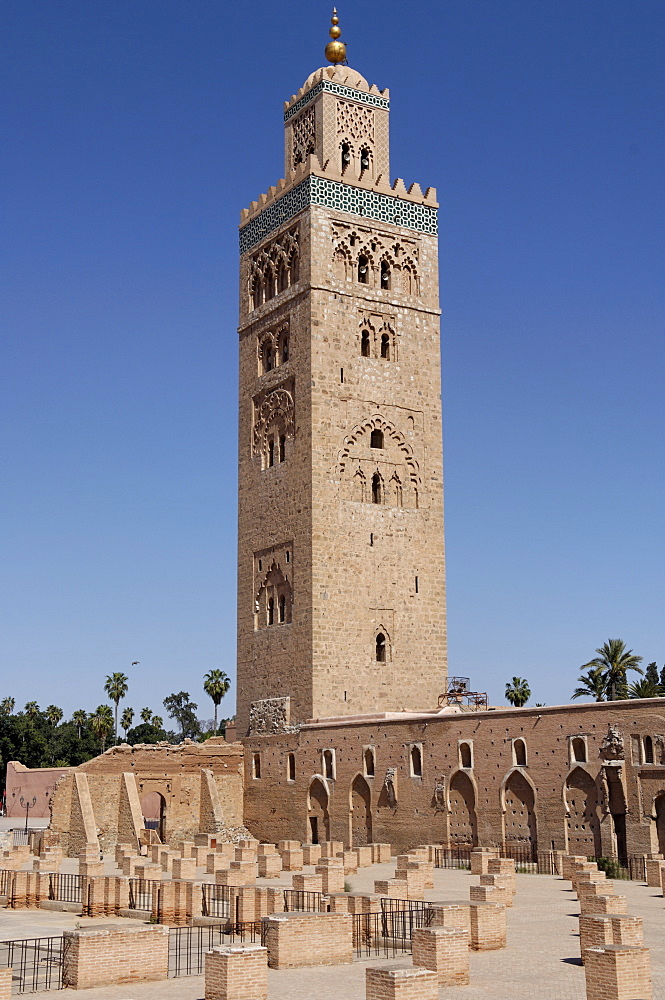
[341, 586]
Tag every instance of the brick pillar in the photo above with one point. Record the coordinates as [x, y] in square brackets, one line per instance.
[654, 869]
[488, 926]
[166, 903]
[332, 878]
[19, 891]
[104, 956]
[444, 950]
[236, 972]
[311, 854]
[381, 853]
[399, 981]
[121, 892]
[452, 914]
[480, 858]
[617, 972]
[598, 929]
[247, 904]
[301, 939]
[603, 904]
[5, 984]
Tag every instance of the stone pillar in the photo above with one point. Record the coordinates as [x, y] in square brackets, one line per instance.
[270, 865]
[104, 956]
[444, 950]
[6, 984]
[603, 904]
[381, 853]
[480, 858]
[654, 869]
[184, 868]
[292, 860]
[598, 929]
[399, 981]
[301, 939]
[332, 878]
[236, 972]
[488, 926]
[363, 856]
[617, 972]
[452, 914]
[308, 883]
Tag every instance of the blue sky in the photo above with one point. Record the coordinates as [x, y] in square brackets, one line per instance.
[134, 132]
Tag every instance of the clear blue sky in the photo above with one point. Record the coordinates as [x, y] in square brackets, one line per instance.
[133, 134]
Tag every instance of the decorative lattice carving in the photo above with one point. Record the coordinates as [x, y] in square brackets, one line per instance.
[304, 136]
[355, 121]
[339, 90]
[391, 434]
[277, 409]
[274, 268]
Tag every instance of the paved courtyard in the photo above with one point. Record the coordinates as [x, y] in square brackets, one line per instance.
[541, 961]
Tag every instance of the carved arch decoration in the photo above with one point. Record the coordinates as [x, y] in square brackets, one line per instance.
[521, 828]
[390, 432]
[462, 804]
[274, 598]
[276, 411]
[274, 268]
[582, 802]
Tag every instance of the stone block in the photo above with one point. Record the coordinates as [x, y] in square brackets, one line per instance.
[236, 972]
[609, 928]
[381, 853]
[311, 854]
[185, 848]
[488, 926]
[269, 865]
[400, 981]
[654, 870]
[456, 913]
[363, 856]
[603, 904]
[184, 868]
[308, 883]
[294, 940]
[266, 850]
[332, 878]
[444, 950]
[392, 887]
[617, 972]
[292, 859]
[108, 955]
[331, 848]
[217, 863]
[288, 845]
[480, 857]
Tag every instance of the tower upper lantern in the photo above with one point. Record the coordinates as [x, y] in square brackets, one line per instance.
[340, 118]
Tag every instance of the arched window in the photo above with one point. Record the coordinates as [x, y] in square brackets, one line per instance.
[294, 267]
[416, 762]
[376, 488]
[519, 753]
[380, 645]
[271, 611]
[385, 346]
[268, 357]
[376, 439]
[364, 343]
[648, 750]
[579, 750]
[282, 277]
[257, 291]
[256, 765]
[346, 156]
[465, 757]
[329, 764]
[269, 282]
[364, 159]
[282, 447]
[285, 348]
[368, 759]
[385, 274]
[363, 270]
[282, 608]
[271, 452]
[291, 767]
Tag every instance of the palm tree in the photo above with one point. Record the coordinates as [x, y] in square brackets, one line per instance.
[101, 724]
[32, 710]
[79, 718]
[54, 714]
[116, 688]
[127, 719]
[518, 692]
[216, 684]
[7, 706]
[157, 722]
[615, 660]
[644, 688]
[146, 716]
[592, 684]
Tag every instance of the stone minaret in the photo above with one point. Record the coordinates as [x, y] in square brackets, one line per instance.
[341, 586]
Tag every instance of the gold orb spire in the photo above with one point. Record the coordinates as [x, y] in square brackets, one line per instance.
[335, 50]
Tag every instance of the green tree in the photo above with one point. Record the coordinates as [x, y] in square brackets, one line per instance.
[216, 684]
[79, 718]
[518, 692]
[146, 732]
[662, 678]
[54, 714]
[116, 688]
[644, 688]
[127, 719]
[32, 710]
[651, 675]
[146, 716]
[615, 661]
[101, 723]
[157, 722]
[7, 706]
[180, 708]
[592, 684]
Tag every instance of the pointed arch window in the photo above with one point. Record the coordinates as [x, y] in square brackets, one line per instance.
[364, 159]
[364, 343]
[377, 489]
[345, 156]
[363, 269]
[385, 346]
[380, 648]
[271, 611]
[282, 608]
[376, 438]
[385, 274]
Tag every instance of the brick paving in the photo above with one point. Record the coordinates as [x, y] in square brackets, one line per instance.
[541, 961]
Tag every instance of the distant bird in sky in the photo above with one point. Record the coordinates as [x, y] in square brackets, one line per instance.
[136, 663]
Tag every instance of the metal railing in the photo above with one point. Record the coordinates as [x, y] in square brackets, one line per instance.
[6, 882]
[218, 901]
[452, 857]
[386, 934]
[141, 893]
[305, 900]
[64, 887]
[631, 868]
[36, 963]
[188, 946]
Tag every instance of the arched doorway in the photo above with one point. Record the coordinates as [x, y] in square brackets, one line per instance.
[582, 818]
[462, 797]
[318, 816]
[520, 828]
[360, 813]
[153, 807]
[659, 813]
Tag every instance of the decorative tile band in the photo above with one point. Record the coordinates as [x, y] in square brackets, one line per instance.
[342, 198]
[337, 88]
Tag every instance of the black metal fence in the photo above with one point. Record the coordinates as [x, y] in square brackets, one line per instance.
[305, 900]
[631, 868]
[188, 945]
[141, 892]
[6, 882]
[218, 901]
[22, 836]
[452, 857]
[36, 963]
[64, 887]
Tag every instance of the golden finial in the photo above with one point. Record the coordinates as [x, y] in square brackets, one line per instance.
[335, 50]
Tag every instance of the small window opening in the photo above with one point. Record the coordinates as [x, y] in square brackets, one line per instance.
[465, 755]
[364, 344]
[282, 447]
[376, 488]
[291, 767]
[369, 762]
[416, 762]
[260, 565]
[519, 749]
[288, 556]
[648, 750]
[328, 764]
[257, 293]
[282, 608]
[579, 750]
[376, 439]
[282, 278]
[270, 283]
[345, 696]
[416, 585]
[363, 270]
[352, 239]
[364, 159]
[385, 346]
[285, 350]
[380, 648]
[269, 358]
[385, 274]
[341, 375]
[373, 246]
[271, 452]
[371, 538]
[271, 611]
[256, 765]
[346, 155]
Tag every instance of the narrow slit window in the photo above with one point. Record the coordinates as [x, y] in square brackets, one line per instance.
[369, 762]
[363, 270]
[416, 762]
[271, 611]
[285, 350]
[282, 608]
[380, 648]
[291, 767]
[346, 155]
[256, 765]
[282, 447]
[385, 274]
[385, 347]
[341, 375]
[376, 488]
[271, 452]
[364, 344]
[648, 750]
[416, 585]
